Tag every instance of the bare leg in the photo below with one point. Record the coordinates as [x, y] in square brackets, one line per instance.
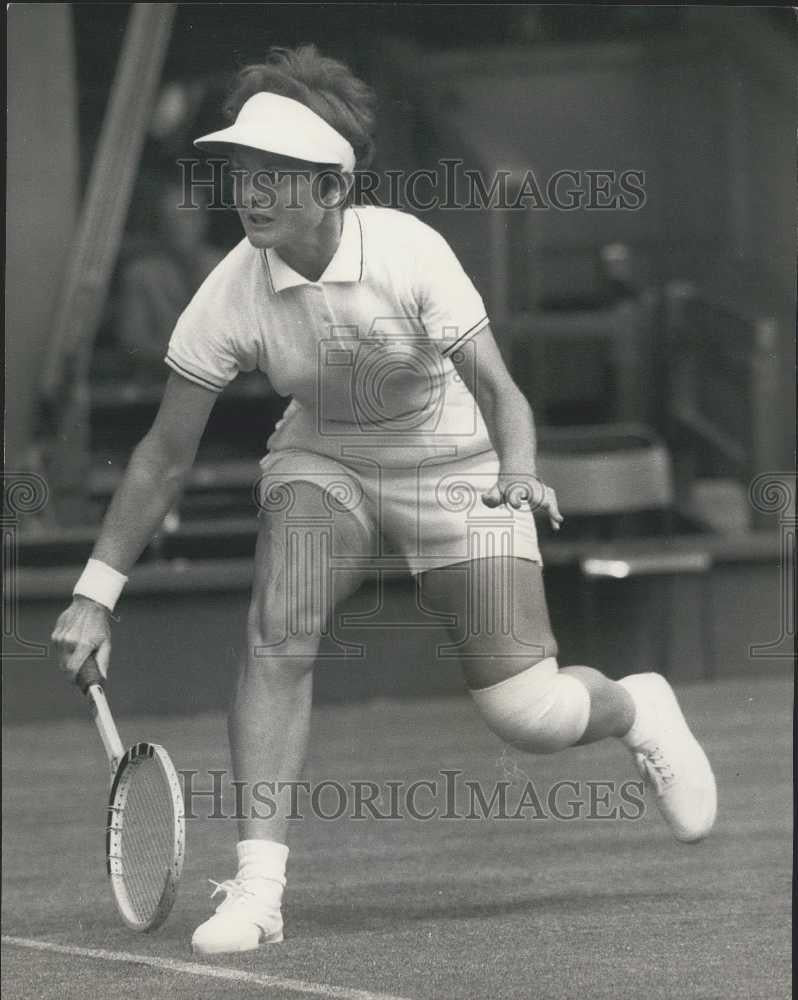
[495, 654]
[541, 713]
[612, 710]
[292, 602]
[293, 598]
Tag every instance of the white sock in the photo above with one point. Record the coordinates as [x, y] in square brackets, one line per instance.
[640, 732]
[264, 860]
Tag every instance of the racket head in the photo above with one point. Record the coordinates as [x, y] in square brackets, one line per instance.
[145, 836]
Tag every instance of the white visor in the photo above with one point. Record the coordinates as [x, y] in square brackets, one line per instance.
[281, 125]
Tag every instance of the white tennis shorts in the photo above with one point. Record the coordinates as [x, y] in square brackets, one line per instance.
[427, 515]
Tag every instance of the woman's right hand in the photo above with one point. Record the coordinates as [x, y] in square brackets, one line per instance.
[150, 487]
[84, 628]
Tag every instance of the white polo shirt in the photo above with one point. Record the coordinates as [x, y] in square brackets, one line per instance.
[365, 351]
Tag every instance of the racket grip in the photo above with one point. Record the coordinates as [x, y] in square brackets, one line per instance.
[89, 674]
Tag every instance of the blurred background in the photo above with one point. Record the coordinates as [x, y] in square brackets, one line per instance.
[655, 343]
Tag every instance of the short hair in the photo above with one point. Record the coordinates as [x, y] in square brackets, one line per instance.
[323, 84]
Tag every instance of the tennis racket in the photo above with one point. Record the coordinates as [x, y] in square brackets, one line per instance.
[145, 831]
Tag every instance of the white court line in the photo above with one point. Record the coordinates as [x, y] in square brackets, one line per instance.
[198, 969]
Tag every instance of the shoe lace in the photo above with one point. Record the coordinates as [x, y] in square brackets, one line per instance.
[233, 888]
[658, 767]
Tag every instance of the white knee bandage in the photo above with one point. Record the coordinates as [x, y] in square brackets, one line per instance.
[539, 710]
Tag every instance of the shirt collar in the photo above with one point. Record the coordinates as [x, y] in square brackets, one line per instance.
[346, 263]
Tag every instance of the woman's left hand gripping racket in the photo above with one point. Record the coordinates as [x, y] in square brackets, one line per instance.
[145, 833]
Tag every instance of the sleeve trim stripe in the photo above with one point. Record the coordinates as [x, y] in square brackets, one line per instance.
[465, 336]
[187, 373]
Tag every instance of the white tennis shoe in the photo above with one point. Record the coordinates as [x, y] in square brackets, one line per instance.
[670, 759]
[247, 917]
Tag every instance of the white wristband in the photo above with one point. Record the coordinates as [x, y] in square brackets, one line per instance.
[100, 582]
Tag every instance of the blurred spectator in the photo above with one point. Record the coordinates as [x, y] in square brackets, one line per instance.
[622, 271]
[159, 276]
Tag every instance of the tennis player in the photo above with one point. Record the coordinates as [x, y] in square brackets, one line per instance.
[401, 407]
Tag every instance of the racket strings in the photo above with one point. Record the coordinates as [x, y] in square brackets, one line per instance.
[146, 845]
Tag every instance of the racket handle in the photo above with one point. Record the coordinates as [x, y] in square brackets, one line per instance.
[90, 681]
[89, 674]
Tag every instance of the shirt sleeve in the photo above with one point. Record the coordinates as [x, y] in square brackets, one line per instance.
[451, 309]
[206, 346]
